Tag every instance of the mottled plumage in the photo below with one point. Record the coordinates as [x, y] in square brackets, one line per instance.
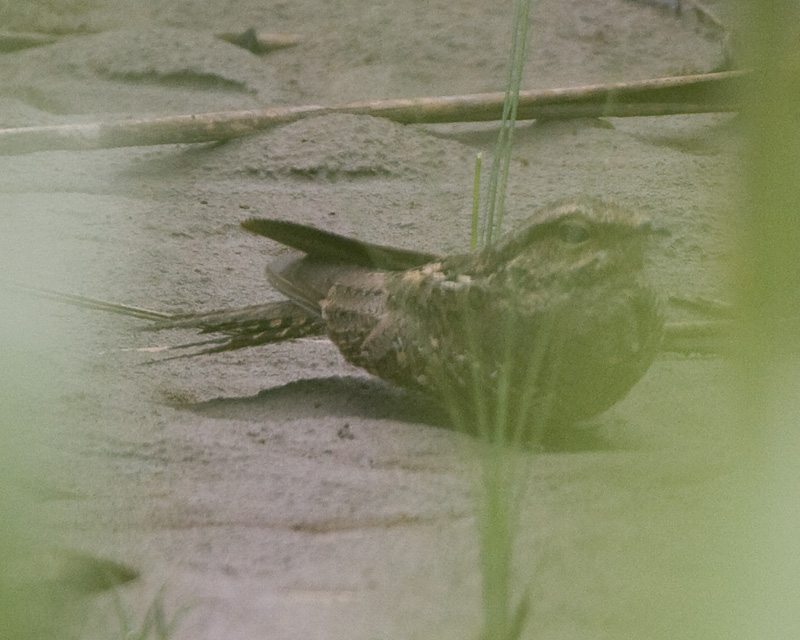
[552, 323]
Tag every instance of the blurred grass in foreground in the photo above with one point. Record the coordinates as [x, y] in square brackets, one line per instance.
[33, 601]
[766, 284]
[499, 482]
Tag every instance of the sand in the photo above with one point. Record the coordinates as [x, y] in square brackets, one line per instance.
[277, 492]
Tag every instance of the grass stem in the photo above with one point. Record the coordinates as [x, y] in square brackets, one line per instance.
[498, 176]
[476, 189]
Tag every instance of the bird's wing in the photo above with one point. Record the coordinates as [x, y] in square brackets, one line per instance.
[325, 246]
[304, 280]
[307, 280]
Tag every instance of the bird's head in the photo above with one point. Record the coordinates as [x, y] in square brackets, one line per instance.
[577, 242]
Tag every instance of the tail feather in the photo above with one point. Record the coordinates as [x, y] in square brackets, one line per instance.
[248, 326]
[88, 303]
[239, 328]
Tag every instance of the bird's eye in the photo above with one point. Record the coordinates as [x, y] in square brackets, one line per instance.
[573, 233]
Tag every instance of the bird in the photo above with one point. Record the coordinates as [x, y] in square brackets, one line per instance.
[551, 324]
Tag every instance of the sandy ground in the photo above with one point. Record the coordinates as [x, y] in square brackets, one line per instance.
[277, 492]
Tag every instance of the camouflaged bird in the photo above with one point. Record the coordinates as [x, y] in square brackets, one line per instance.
[550, 324]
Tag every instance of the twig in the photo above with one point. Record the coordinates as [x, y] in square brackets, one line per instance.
[711, 92]
[252, 40]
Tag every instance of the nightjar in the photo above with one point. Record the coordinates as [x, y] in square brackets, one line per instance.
[550, 324]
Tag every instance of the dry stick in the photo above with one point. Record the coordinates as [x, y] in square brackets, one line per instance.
[262, 42]
[711, 92]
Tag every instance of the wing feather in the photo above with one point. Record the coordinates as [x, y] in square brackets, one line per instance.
[334, 248]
